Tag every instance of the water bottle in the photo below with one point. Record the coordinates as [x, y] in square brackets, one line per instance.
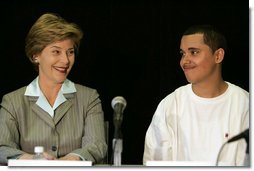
[38, 150]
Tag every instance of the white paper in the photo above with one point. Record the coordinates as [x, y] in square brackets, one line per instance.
[20, 162]
[178, 163]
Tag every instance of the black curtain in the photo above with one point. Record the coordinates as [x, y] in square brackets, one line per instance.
[130, 49]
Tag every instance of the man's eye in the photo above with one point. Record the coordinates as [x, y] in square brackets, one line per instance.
[181, 54]
[194, 52]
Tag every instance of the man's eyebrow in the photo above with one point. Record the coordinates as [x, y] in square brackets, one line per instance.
[193, 48]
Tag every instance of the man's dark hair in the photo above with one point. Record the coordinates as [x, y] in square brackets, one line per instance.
[212, 37]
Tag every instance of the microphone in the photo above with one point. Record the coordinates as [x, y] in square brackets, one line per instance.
[118, 104]
[244, 134]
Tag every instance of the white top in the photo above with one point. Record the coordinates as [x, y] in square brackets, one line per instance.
[33, 89]
[186, 127]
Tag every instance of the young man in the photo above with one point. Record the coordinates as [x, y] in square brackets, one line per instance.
[193, 122]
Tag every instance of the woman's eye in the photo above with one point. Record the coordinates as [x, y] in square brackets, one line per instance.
[71, 52]
[56, 52]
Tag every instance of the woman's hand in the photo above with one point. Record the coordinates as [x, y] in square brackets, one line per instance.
[70, 157]
[26, 156]
[46, 155]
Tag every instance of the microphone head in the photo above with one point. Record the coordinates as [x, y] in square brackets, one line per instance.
[244, 134]
[118, 99]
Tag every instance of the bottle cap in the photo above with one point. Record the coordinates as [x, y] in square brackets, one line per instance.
[38, 149]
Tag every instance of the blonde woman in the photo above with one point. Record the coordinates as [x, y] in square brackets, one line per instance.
[52, 111]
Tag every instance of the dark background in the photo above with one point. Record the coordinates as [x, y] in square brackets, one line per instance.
[130, 49]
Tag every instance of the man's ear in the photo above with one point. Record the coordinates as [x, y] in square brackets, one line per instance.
[219, 55]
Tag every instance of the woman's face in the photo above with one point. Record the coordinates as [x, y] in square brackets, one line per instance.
[55, 61]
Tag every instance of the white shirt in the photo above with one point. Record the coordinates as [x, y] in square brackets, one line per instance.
[186, 127]
[33, 89]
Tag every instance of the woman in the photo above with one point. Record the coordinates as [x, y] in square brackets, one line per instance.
[53, 112]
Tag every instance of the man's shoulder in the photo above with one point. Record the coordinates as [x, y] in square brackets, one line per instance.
[237, 89]
[177, 93]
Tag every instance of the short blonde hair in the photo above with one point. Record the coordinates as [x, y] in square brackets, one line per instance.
[47, 29]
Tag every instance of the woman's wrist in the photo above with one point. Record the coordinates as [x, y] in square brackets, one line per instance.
[25, 156]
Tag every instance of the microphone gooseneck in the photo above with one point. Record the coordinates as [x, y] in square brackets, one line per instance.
[118, 104]
[245, 135]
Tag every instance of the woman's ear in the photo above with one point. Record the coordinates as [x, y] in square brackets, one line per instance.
[35, 59]
[219, 55]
